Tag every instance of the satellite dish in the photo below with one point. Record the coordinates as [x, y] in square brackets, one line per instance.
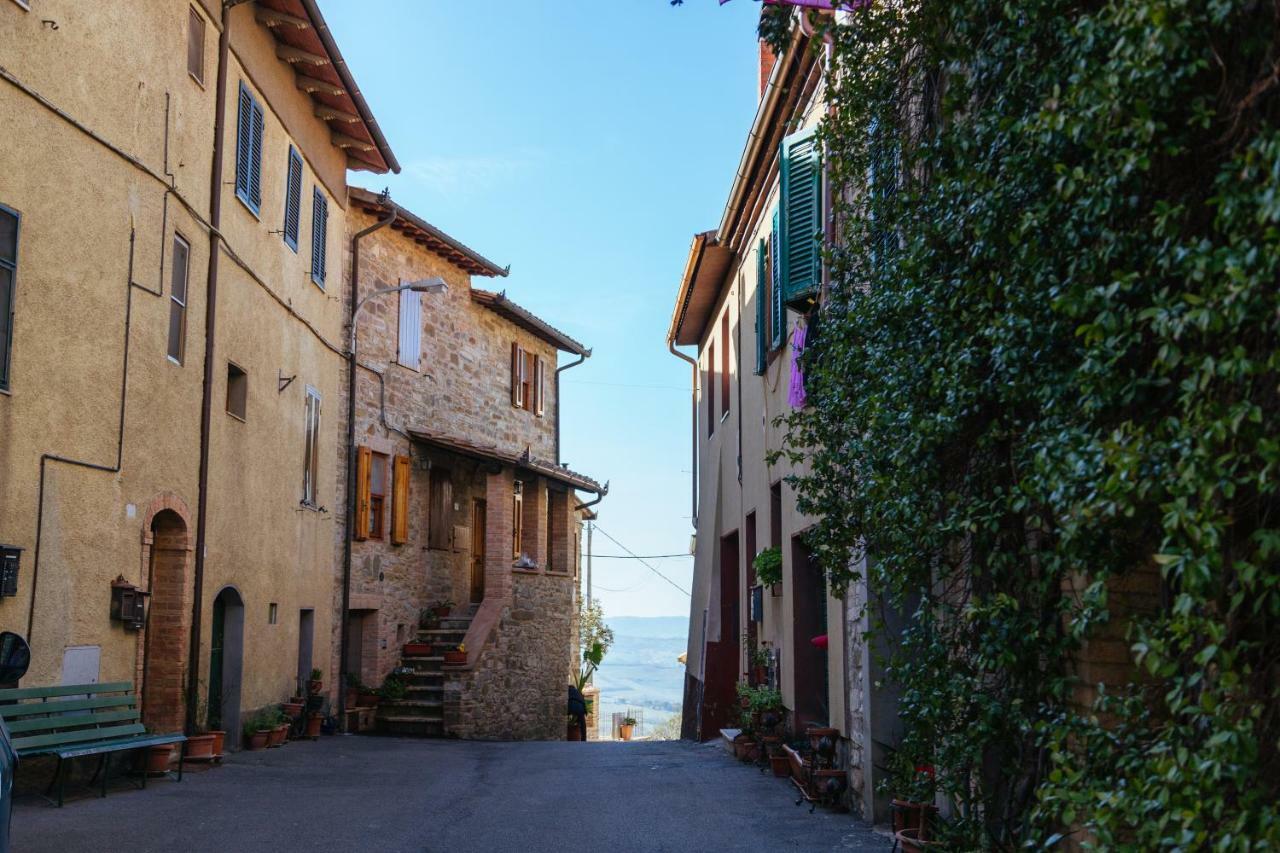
[15, 657]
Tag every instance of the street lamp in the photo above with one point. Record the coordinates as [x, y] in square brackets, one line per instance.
[435, 284]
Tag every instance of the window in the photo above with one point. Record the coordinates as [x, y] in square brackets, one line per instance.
[400, 501]
[178, 298]
[709, 389]
[777, 316]
[195, 45]
[517, 376]
[9, 222]
[377, 493]
[409, 353]
[311, 459]
[539, 385]
[801, 206]
[440, 523]
[273, 613]
[762, 307]
[292, 198]
[319, 235]
[558, 556]
[249, 151]
[528, 380]
[517, 520]
[237, 391]
[724, 363]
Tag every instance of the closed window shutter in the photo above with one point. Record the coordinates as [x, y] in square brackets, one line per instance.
[801, 202]
[777, 324]
[195, 45]
[539, 387]
[400, 501]
[517, 369]
[9, 223]
[244, 144]
[762, 309]
[293, 199]
[319, 235]
[255, 159]
[440, 525]
[410, 352]
[364, 461]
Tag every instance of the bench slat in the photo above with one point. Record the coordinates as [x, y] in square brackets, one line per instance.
[17, 693]
[71, 721]
[27, 709]
[60, 738]
[113, 745]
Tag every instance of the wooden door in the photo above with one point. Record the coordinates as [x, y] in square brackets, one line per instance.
[478, 527]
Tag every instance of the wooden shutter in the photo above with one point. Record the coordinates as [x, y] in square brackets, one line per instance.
[778, 318]
[539, 385]
[319, 235]
[244, 143]
[255, 157]
[440, 525]
[762, 309]
[400, 501]
[364, 462]
[801, 203]
[517, 380]
[195, 45]
[293, 199]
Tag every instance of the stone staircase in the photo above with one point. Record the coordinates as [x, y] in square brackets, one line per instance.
[421, 712]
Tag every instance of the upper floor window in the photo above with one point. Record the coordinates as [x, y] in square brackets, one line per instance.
[409, 352]
[8, 275]
[311, 451]
[195, 45]
[249, 128]
[528, 380]
[237, 391]
[178, 298]
[319, 236]
[292, 199]
[377, 486]
[517, 520]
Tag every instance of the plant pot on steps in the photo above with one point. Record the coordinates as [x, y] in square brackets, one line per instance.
[416, 650]
[314, 721]
[202, 747]
[441, 612]
[368, 699]
[455, 658]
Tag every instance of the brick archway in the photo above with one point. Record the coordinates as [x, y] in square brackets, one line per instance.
[167, 550]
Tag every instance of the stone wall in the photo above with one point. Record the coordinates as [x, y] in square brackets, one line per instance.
[517, 690]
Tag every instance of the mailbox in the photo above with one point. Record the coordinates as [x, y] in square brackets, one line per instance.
[128, 604]
[9, 557]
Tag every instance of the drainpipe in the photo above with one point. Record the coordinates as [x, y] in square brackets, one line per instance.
[351, 452]
[581, 358]
[693, 363]
[210, 328]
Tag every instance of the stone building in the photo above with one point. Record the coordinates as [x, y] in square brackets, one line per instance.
[750, 286]
[171, 214]
[460, 496]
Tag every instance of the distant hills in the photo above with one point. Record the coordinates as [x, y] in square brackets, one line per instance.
[651, 627]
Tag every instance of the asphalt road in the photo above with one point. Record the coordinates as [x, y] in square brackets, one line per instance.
[392, 794]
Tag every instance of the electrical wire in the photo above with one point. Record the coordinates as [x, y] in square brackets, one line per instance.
[641, 561]
[633, 557]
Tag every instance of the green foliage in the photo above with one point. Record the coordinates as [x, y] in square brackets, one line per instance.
[592, 628]
[393, 689]
[774, 28]
[768, 566]
[759, 698]
[1043, 402]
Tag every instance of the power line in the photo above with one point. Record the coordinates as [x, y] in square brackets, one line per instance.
[642, 562]
[634, 557]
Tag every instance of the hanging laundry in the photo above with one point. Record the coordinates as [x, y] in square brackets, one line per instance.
[796, 395]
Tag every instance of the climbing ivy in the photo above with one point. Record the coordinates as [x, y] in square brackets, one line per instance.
[1044, 391]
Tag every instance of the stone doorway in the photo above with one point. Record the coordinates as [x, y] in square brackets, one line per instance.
[164, 706]
[226, 661]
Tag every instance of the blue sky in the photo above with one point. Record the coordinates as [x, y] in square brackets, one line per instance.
[584, 144]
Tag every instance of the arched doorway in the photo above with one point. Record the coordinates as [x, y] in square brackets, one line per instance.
[164, 704]
[226, 660]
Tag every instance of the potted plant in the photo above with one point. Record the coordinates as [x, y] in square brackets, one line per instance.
[292, 710]
[204, 745]
[417, 648]
[315, 720]
[315, 685]
[393, 689]
[760, 660]
[352, 690]
[153, 760]
[573, 731]
[457, 656]
[626, 727]
[913, 807]
[256, 732]
[768, 566]
[913, 841]
[442, 608]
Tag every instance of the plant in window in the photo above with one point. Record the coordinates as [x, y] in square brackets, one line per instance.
[768, 566]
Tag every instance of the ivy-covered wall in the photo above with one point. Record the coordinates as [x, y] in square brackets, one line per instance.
[1046, 379]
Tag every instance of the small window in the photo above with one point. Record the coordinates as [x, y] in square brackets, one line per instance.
[377, 493]
[178, 298]
[518, 383]
[409, 353]
[249, 129]
[319, 236]
[237, 391]
[273, 613]
[539, 385]
[292, 199]
[311, 458]
[8, 275]
[517, 520]
[195, 45]
[440, 521]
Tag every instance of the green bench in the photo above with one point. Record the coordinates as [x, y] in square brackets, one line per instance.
[78, 720]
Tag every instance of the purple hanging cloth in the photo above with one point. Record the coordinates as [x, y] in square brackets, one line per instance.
[796, 395]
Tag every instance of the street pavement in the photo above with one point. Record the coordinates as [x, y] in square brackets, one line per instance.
[433, 796]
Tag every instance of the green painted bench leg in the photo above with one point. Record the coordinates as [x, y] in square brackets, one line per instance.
[182, 756]
[106, 771]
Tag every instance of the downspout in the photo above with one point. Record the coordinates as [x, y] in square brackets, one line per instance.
[693, 363]
[581, 358]
[600, 495]
[210, 328]
[351, 453]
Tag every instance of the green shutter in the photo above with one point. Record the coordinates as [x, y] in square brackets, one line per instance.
[778, 324]
[762, 311]
[801, 203]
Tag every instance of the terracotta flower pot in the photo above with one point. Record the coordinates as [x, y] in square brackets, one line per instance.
[573, 732]
[369, 699]
[351, 696]
[780, 765]
[154, 760]
[314, 720]
[744, 749]
[625, 731]
[315, 688]
[911, 842]
[909, 815]
[293, 710]
[275, 736]
[455, 658]
[413, 650]
[258, 739]
[441, 612]
[201, 747]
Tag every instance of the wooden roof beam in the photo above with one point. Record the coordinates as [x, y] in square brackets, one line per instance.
[343, 141]
[311, 84]
[328, 113]
[271, 18]
[295, 55]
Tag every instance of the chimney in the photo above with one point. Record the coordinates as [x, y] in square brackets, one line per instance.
[767, 60]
